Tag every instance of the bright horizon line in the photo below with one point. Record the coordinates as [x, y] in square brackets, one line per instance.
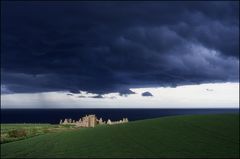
[206, 96]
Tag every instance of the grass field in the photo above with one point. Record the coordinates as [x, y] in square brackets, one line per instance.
[192, 136]
[14, 132]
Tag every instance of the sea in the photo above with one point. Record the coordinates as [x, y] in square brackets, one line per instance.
[53, 116]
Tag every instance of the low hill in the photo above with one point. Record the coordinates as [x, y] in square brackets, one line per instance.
[177, 136]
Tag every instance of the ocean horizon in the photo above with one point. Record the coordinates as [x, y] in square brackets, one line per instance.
[53, 116]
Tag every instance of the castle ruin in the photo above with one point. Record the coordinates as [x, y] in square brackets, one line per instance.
[90, 121]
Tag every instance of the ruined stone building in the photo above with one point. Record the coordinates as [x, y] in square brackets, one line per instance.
[101, 122]
[90, 121]
[87, 121]
[124, 120]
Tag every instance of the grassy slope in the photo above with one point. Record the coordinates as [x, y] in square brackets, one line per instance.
[29, 129]
[179, 136]
[7, 127]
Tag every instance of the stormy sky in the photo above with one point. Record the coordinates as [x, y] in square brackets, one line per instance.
[93, 49]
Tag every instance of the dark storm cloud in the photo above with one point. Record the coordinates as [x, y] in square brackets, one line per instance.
[98, 96]
[74, 91]
[103, 47]
[147, 94]
[125, 92]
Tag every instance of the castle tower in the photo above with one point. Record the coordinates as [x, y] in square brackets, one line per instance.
[92, 121]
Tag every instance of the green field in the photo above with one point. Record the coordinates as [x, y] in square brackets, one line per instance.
[192, 136]
[14, 132]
